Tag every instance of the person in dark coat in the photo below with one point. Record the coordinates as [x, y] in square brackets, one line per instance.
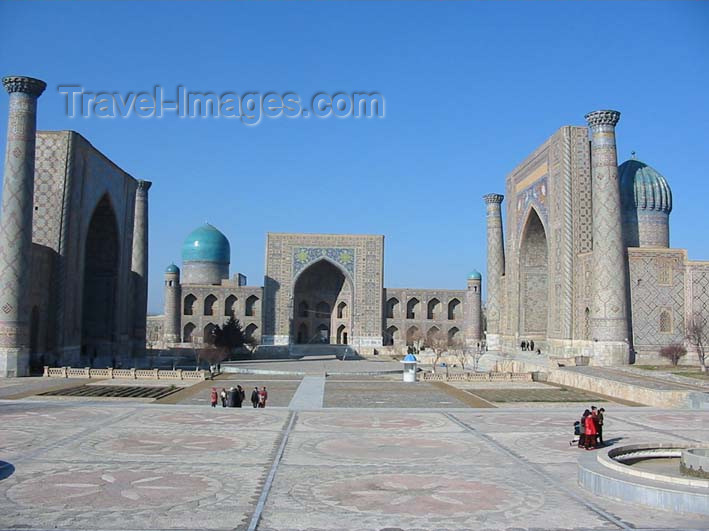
[582, 429]
[254, 397]
[599, 425]
[232, 397]
[240, 396]
[531, 345]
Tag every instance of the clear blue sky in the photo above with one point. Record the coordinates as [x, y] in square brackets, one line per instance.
[471, 89]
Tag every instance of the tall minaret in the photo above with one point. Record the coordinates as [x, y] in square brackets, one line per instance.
[173, 307]
[473, 310]
[140, 265]
[495, 268]
[16, 224]
[609, 319]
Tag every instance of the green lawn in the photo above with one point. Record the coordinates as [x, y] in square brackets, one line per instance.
[690, 372]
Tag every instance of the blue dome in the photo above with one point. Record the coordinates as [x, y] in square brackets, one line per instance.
[172, 268]
[644, 187]
[475, 275]
[206, 244]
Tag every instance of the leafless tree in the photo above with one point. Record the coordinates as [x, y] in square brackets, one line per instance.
[414, 340]
[673, 352]
[439, 343]
[697, 336]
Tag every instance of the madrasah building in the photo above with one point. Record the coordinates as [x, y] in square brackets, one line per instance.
[581, 265]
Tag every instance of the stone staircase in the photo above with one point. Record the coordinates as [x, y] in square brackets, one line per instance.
[322, 350]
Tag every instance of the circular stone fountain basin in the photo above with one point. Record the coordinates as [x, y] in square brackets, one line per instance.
[695, 462]
[647, 474]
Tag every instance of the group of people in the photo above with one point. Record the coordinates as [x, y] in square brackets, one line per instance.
[590, 428]
[236, 396]
[528, 346]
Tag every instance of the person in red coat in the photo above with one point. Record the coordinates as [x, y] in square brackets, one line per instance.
[214, 397]
[590, 425]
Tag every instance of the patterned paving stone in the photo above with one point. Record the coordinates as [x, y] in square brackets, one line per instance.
[416, 498]
[88, 466]
[372, 447]
[89, 496]
[375, 420]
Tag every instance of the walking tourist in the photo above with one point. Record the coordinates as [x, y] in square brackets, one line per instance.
[590, 432]
[214, 397]
[223, 396]
[254, 397]
[263, 396]
[531, 345]
[240, 395]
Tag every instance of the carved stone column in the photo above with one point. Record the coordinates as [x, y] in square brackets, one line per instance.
[140, 265]
[609, 319]
[495, 268]
[16, 224]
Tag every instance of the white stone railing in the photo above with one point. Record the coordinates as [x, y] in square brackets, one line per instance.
[128, 374]
[476, 377]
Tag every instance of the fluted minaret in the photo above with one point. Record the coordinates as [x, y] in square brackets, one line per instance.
[609, 320]
[495, 268]
[140, 265]
[16, 224]
[473, 310]
[173, 307]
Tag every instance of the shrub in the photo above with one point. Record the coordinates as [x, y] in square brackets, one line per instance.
[673, 353]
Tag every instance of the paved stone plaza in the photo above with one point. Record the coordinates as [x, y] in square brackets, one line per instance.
[122, 464]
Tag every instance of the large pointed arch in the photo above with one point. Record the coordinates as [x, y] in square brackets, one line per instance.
[533, 277]
[100, 280]
[321, 284]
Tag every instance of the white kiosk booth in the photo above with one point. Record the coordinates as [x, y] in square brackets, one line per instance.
[410, 362]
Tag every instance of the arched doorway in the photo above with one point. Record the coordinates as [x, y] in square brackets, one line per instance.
[101, 256]
[322, 293]
[533, 279]
[342, 335]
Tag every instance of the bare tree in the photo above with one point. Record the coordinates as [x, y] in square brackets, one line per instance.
[673, 352]
[414, 340]
[439, 343]
[697, 332]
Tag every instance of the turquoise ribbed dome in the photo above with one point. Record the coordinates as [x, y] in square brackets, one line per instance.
[475, 275]
[172, 268]
[206, 244]
[644, 186]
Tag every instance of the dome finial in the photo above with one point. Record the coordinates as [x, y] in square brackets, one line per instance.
[632, 155]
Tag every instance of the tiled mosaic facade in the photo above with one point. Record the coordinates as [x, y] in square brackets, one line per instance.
[567, 265]
[319, 288]
[70, 179]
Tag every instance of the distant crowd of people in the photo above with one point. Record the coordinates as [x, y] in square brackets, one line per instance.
[236, 396]
[590, 428]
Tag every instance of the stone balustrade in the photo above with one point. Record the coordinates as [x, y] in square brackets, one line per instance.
[128, 374]
[476, 377]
